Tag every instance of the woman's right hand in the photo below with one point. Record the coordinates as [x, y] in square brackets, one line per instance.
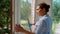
[18, 28]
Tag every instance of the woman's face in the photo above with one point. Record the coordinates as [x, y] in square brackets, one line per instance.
[40, 11]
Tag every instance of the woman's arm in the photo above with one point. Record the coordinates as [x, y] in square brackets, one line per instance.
[27, 32]
[18, 28]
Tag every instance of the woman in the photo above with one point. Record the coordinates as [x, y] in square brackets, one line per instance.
[44, 23]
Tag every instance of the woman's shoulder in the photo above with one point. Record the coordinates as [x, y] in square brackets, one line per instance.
[46, 18]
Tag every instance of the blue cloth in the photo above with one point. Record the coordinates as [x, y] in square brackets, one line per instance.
[43, 25]
[30, 25]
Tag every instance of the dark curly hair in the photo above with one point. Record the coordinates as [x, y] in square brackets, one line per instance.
[44, 5]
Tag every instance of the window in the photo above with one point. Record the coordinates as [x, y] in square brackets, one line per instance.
[22, 13]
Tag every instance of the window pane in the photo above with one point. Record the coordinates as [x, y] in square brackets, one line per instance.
[25, 11]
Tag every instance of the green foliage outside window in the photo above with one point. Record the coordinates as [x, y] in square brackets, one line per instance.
[55, 13]
[4, 16]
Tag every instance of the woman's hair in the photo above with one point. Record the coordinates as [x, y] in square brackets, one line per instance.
[44, 5]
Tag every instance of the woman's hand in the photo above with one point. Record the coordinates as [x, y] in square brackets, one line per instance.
[18, 28]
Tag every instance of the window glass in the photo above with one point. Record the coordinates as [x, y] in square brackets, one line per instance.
[25, 11]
